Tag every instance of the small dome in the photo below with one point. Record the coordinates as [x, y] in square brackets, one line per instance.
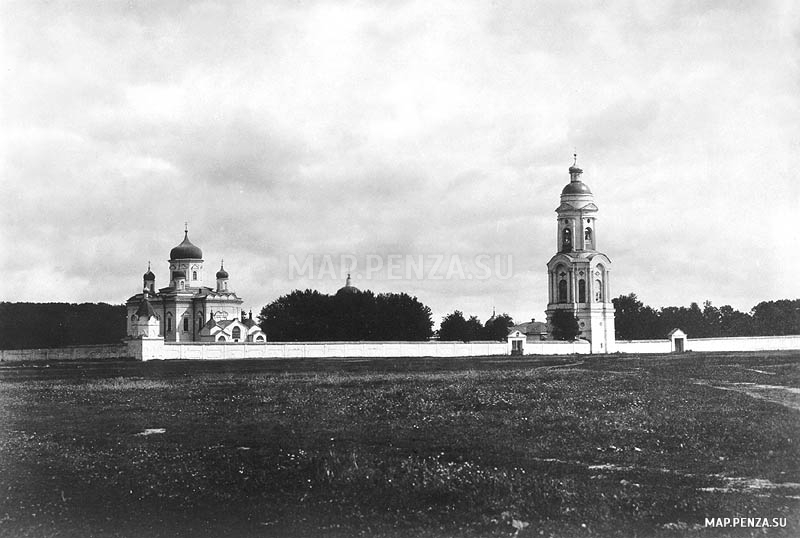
[348, 289]
[186, 250]
[149, 274]
[222, 273]
[576, 187]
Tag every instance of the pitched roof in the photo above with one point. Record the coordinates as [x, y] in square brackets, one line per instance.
[145, 309]
[531, 327]
[225, 322]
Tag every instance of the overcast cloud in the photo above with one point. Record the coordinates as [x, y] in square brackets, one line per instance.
[285, 130]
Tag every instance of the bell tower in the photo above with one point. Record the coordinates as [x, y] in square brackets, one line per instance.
[579, 275]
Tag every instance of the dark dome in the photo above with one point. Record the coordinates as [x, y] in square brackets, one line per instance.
[576, 187]
[222, 273]
[149, 275]
[348, 289]
[185, 250]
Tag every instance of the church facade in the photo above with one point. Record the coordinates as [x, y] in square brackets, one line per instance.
[579, 275]
[186, 310]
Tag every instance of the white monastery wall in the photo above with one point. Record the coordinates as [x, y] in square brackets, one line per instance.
[75, 353]
[156, 348]
[252, 350]
[744, 343]
[557, 347]
[644, 346]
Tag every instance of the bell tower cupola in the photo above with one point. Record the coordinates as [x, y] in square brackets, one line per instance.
[577, 214]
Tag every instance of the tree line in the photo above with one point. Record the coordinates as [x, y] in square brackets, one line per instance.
[309, 315]
[303, 316]
[637, 321]
[49, 325]
[456, 327]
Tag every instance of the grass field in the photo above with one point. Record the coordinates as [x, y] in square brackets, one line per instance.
[571, 446]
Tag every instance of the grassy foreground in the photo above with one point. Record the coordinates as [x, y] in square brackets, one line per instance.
[570, 446]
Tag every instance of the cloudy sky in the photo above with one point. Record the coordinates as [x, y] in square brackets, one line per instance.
[422, 145]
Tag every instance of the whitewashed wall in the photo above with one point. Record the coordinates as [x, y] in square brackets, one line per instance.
[557, 347]
[247, 350]
[156, 348]
[74, 353]
[744, 343]
[644, 346]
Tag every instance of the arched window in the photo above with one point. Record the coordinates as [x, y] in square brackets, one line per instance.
[225, 285]
[185, 324]
[259, 338]
[236, 333]
[221, 338]
[598, 290]
[587, 236]
[169, 323]
[562, 291]
[566, 239]
[194, 275]
[581, 291]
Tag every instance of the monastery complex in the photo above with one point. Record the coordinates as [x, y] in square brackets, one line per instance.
[188, 320]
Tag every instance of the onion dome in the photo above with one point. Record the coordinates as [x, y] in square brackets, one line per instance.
[575, 185]
[186, 250]
[222, 273]
[348, 288]
[149, 274]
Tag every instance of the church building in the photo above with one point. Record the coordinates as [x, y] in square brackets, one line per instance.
[579, 274]
[186, 310]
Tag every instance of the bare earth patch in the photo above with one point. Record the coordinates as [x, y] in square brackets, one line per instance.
[785, 396]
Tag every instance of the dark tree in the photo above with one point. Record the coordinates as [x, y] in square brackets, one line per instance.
[474, 330]
[496, 328]
[48, 325]
[735, 323]
[354, 316]
[402, 317]
[777, 317]
[453, 327]
[633, 320]
[300, 316]
[309, 315]
[565, 325]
